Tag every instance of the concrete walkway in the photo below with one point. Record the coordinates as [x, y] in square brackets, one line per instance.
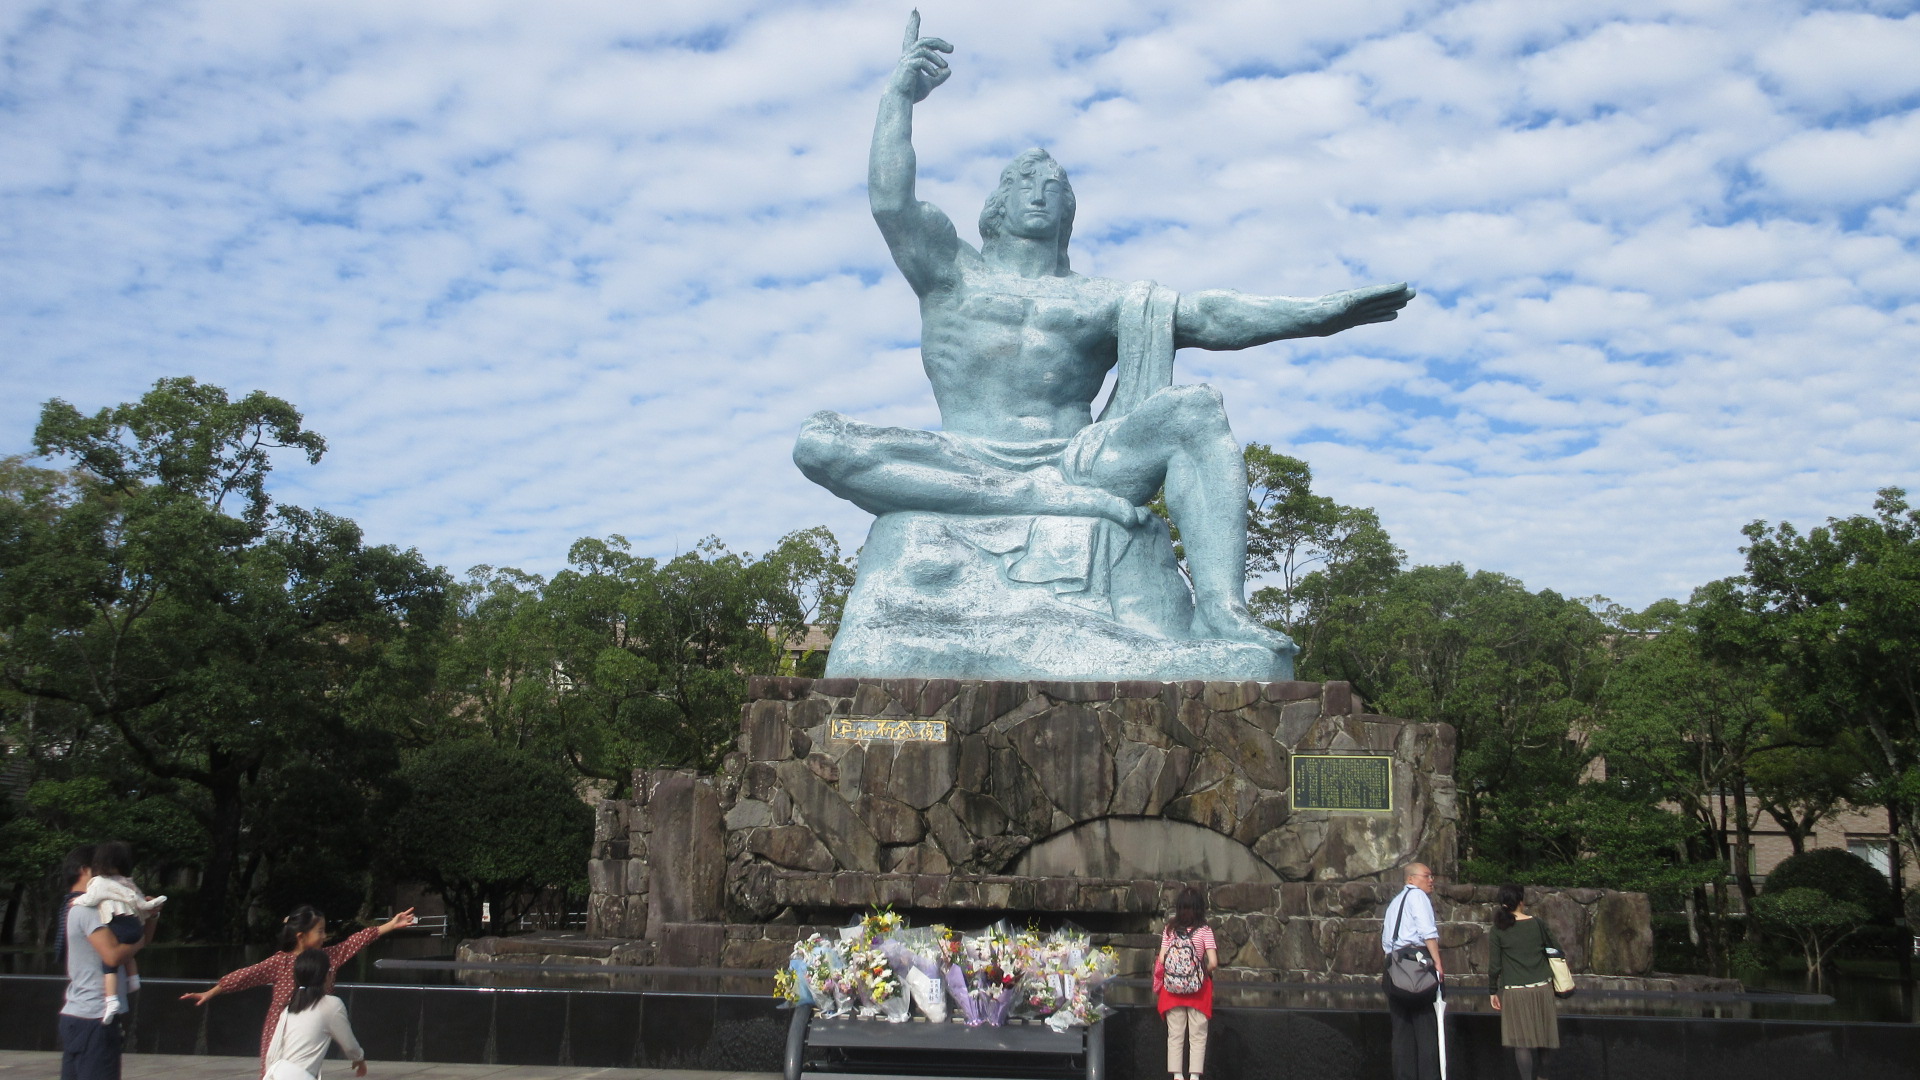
[37, 1065]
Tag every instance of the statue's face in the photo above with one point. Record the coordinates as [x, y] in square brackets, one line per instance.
[1036, 205]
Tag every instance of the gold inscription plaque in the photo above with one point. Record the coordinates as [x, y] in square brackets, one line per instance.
[1353, 783]
[887, 729]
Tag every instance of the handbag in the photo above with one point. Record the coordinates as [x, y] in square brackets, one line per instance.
[1557, 965]
[1409, 976]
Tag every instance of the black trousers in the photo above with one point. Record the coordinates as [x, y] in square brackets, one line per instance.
[89, 1049]
[1416, 1040]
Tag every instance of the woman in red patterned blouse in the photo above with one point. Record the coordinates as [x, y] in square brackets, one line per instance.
[305, 929]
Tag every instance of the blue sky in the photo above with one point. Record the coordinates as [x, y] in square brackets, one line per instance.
[541, 271]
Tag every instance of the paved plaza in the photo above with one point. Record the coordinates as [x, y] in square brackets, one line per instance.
[45, 1065]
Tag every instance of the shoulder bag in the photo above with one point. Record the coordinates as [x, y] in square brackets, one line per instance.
[1557, 964]
[1410, 976]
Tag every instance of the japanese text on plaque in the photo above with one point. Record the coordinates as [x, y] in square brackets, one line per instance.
[1355, 782]
[883, 729]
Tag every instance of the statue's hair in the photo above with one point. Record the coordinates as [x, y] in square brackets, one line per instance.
[1026, 164]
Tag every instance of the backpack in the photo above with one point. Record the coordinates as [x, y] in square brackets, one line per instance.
[1184, 973]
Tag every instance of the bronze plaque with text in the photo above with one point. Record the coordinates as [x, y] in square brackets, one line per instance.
[1356, 783]
[887, 729]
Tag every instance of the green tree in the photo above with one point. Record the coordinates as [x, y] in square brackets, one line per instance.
[1518, 674]
[482, 823]
[1309, 548]
[621, 661]
[53, 816]
[157, 591]
[1838, 607]
[1694, 713]
[1813, 920]
[1514, 672]
[1799, 786]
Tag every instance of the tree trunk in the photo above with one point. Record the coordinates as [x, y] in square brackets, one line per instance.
[1896, 857]
[214, 910]
[14, 900]
[1742, 865]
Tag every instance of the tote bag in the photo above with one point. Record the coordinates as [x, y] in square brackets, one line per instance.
[1557, 965]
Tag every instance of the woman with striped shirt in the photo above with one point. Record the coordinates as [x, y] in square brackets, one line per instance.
[1187, 954]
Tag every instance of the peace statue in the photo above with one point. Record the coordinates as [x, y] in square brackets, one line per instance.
[1015, 543]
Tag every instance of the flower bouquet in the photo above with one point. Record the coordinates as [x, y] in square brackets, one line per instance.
[877, 987]
[790, 985]
[880, 924]
[919, 956]
[992, 970]
[1078, 986]
[826, 978]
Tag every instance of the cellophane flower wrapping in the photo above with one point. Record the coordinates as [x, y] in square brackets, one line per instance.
[954, 975]
[1082, 975]
[917, 955]
[827, 979]
[993, 961]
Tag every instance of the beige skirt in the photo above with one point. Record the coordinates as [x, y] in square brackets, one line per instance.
[1529, 1016]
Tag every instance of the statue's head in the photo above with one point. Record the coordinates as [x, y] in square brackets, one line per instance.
[1034, 201]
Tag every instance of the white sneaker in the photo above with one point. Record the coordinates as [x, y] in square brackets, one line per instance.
[133, 984]
[113, 1007]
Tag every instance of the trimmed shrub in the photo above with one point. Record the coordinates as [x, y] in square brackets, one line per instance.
[1841, 875]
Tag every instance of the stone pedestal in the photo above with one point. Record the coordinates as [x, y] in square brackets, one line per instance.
[968, 801]
[1125, 781]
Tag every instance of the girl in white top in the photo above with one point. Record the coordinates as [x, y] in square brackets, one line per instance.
[313, 1020]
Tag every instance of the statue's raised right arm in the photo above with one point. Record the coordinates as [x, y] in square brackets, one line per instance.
[922, 239]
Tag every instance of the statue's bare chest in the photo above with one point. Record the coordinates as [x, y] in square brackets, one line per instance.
[1061, 312]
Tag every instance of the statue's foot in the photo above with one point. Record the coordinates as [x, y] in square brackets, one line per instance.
[1232, 622]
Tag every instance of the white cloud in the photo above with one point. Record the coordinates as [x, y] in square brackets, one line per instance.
[1874, 163]
[544, 272]
[1833, 59]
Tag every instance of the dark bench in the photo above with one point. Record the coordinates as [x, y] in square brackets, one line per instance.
[843, 1049]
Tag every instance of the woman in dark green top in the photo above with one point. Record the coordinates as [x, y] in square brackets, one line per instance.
[1522, 984]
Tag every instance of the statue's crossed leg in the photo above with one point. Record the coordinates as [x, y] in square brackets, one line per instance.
[1178, 437]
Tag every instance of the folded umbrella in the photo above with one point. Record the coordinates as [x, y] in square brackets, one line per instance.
[1440, 1027]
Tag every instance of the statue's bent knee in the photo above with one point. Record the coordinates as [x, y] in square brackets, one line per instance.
[1196, 407]
[821, 448]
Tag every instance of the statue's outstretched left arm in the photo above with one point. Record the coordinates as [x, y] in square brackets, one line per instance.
[1223, 319]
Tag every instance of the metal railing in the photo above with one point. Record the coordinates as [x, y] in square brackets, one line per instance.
[441, 925]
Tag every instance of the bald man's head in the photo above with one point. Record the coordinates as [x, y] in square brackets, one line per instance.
[1420, 876]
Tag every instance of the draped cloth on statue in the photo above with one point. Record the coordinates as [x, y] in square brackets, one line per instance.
[1146, 347]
